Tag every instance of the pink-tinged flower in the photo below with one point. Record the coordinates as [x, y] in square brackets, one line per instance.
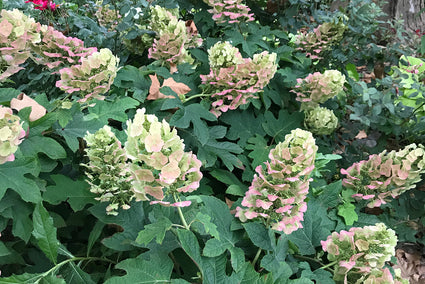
[176, 204]
[279, 192]
[92, 78]
[233, 79]
[229, 11]
[360, 252]
[43, 4]
[11, 134]
[386, 175]
[320, 39]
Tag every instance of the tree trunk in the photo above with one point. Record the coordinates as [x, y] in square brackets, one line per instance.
[410, 12]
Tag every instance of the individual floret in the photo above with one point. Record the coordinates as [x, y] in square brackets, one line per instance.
[320, 121]
[386, 175]
[11, 134]
[92, 77]
[278, 193]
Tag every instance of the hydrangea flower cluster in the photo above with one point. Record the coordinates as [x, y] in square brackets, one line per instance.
[277, 194]
[386, 175]
[108, 176]
[174, 37]
[151, 166]
[320, 120]
[158, 159]
[320, 39]
[18, 33]
[229, 11]
[92, 77]
[318, 87]
[382, 276]
[56, 49]
[233, 79]
[11, 133]
[43, 5]
[360, 252]
[106, 16]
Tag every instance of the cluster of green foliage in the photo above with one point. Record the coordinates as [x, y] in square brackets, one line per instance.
[53, 230]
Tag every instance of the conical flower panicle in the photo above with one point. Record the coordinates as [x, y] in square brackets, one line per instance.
[229, 11]
[360, 251]
[278, 193]
[158, 159]
[11, 134]
[386, 175]
[108, 174]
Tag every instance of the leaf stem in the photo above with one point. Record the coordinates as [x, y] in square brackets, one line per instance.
[194, 96]
[57, 266]
[186, 226]
[323, 266]
[257, 255]
[327, 266]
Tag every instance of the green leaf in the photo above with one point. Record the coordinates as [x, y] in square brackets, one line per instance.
[237, 258]
[129, 221]
[210, 227]
[229, 178]
[13, 175]
[77, 128]
[352, 71]
[194, 114]
[104, 110]
[348, 212]
[243, 125]
[278, 128]
[235, 190]
[330, 195]
[133, 79]
[76, 193]
[280, 270]
[7, 94]
[157, 269]
[25, 278]
[316, 227]
[75, 275]
[45, 232]
[260, 150]
[155, 230]
[94, 235]
[4, 250]
[214, 247]
[320, 275]
[258, 234]
[40, 144]
[52, 279]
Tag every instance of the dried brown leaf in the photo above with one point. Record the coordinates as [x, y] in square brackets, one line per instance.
[23, 101]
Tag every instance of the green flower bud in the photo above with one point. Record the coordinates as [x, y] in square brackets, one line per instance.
[320, 121]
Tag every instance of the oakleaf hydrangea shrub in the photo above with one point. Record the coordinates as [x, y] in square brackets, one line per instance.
[386, 175]
[93, 77]
[361, 253]
[320, 121]
[151, 166]
[232, 79]
[277, 193]
[11, 134]
[107, 173]
[229, 11]
[18, 33]
[321, 39]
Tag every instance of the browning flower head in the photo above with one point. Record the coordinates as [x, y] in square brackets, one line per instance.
[92, 77]
[11, 134]
[386, 175]
[277, 194]
[320, 120]
[317, 88]
[360, 251]
[229, 11]
[158, 160]
[320, 39]
[232, 86]
[109, 176]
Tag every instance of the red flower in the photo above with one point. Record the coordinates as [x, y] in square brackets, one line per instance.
[43, 4]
